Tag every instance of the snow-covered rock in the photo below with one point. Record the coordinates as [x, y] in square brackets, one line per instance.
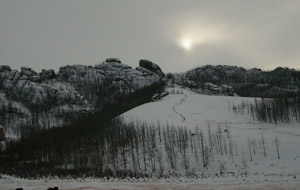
[147, 64]
[113, 60]
[163, 94]
[250, 83]
[47, 74]
[5, 68]
[49, 99]
[155, 97]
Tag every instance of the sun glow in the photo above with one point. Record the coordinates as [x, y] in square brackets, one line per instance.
[186, 44]
[192, 37]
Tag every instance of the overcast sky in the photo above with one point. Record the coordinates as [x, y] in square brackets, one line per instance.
[176, 34]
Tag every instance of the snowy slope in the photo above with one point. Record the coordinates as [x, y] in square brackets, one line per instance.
[194, 111]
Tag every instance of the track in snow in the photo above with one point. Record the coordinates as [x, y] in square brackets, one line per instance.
[181, 101]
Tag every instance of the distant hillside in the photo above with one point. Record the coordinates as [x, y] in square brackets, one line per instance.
[232, 79]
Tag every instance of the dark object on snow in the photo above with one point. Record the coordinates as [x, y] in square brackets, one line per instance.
[19, 189]
[155, 97]
[55, 188]
[2, 135]
[226, 130]
[147, 64]
[164, 94]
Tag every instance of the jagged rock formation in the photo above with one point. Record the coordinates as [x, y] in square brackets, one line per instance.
[252, 83]
[47, 99]
[149, 65]
[216, 89]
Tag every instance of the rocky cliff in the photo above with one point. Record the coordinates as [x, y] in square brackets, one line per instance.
[47, 99]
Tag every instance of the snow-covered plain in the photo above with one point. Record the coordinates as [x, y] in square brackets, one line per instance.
[184, 108]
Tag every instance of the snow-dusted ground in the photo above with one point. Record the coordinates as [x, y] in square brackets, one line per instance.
[228, 183]
[195, 111]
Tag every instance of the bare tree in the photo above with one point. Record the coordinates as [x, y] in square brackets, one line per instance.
[277, 147]
[263, 143]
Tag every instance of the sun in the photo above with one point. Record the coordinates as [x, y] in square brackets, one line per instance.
[186, 44]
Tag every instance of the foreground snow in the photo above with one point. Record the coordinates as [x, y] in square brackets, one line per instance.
[228, 183]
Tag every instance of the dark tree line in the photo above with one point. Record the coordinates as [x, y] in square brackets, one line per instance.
[284, 110]
[103, 147]
[115, 148]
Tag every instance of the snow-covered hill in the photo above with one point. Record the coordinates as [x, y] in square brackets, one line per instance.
[253, 144]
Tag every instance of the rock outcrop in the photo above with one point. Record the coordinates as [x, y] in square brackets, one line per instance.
[149, 65]
[223, 79]
[211, 88]
[47, 99]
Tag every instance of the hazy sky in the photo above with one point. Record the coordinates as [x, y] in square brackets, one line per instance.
[176, 34]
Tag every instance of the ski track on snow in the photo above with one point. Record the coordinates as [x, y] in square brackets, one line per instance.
[178, 113]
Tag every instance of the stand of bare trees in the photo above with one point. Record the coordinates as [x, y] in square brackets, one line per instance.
[284, 110]
[116, 148]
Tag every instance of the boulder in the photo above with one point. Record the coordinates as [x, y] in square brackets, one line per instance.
[47, 74]
[13, 75]
[144, 71]
[191, 84]
[67, 71]
[211, 86]
[164, 94]
[5, 68]
[155, 97]
[113, 60]
[35, 78]
[147, 64]
[27, 71]
[226, 89]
